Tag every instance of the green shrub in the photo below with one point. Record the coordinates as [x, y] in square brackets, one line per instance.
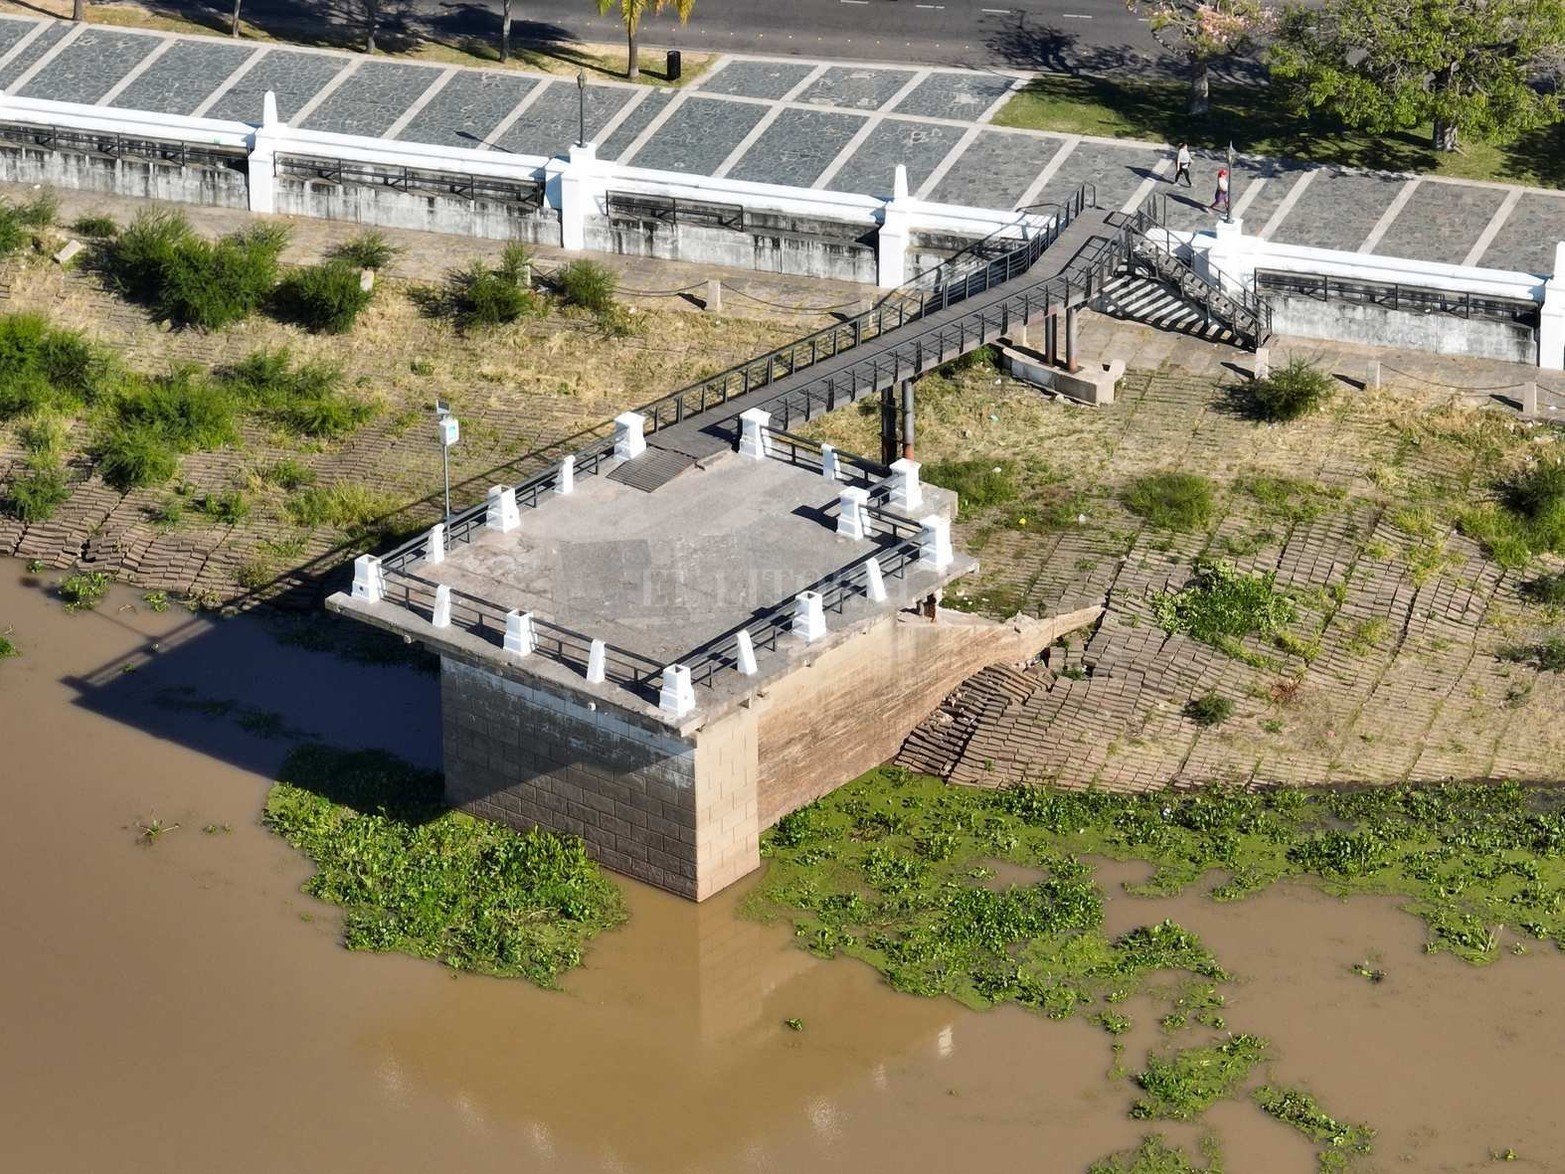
[977, 359]
[478, 297]
[1546, 589]
[190, 281]
[1209, 709]
[228, 508]
[20, 224]
[168, 513]
[289, 474]
[132, 456]
[588, 285]
[37, 493]
[83, 592]
[977, 483]
[1220, 606]
[46, 370]
[8, 646]
[149, 422]
[96, 227]
[327, 298]
[1190, 1081]
[1293, 390]
[305, 398]
[40, 212]
[368, 250]
[1171, 501]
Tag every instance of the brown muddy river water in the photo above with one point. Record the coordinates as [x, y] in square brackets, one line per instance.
[183, 1007]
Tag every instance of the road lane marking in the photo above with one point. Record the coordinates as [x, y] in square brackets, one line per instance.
[229, 83]
[326, 91]
[766, 121]
[945, 164]
[1137, 197]
[517, 111]
[37, 67]
[653, 127]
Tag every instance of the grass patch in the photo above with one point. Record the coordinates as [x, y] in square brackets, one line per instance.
[326, 298]
[1186, 1083]
[302, 398]
[22, 225]
[481, 296]
[1288, 393]
[1340, 1143]
[1527, 520]
[96, 227]
[1209, 709]
[1171, 501]
[1220, 606]
[1288, 499]
[979, 483]
[188, 280]
[1548, 590]
[44, 370]
[1546, 655]
[346, 506]
[414, 877]
[37, 493]
[588, 285]
[149, 422]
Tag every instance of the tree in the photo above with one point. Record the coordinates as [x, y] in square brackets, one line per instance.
[371, 23]
[505, 31]
[1461, 65]
[631, 12]
[79, 10]
[233, 23]
[1202, 33]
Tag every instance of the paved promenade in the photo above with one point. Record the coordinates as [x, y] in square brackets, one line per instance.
[833, 126]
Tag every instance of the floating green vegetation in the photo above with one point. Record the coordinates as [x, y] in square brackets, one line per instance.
[1156, 1156]
[1185, 1083]
[1220, 606]
[8, 646]
[1340, 1143]
[1171, 501]
[83, 592]
[415, 877]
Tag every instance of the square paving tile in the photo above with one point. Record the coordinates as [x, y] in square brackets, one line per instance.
[1188, 209]
[756, 79]
[699, 135]
[635, 122]
[955, 95]
[181, 79]
[1526, 242]
[797, 147]
[856, 87]
[13, 30]
[1440, 222]
[294, 77]
[467, 108]
[372, 99]
[996, 170]
[549, 125]
[871, 169]
[1114, 171]
[24, 60]
[88, 67]
[1338, 210]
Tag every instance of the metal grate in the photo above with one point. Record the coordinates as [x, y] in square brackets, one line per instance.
[652, 469]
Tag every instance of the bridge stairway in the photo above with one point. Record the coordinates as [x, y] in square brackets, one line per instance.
[1157, 303]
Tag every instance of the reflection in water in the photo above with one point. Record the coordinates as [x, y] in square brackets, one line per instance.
[183, 1008]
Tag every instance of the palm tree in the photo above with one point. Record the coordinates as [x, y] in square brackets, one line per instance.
[631, 12]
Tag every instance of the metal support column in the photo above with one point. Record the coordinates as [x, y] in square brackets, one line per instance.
[888, 424]
[907, 418]
[1070, 341]
[1051, 340]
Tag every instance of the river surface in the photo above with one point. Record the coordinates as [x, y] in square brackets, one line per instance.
[182, 1006]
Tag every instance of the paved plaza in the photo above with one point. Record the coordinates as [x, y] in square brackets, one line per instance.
[831, 126]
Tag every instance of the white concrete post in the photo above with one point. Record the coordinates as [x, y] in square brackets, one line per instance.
[1263, 363]
[501, 513]
[261, 167]
[1530, 399]
[1227, 249]
[1372, 375]
[896, 229]
[745, 647]
[441, 616]
[579, 181]
[934, 544]
[1551, 318]
[597, 658]
[677, 696]
[712, 303]
[907, 493]
[829, 463]
[566, 481]
[369, 584]
[755, 439]
[809, 616]
[874, 581]
[630, 435]
[435, 544]
[853, 520]
[519, 637]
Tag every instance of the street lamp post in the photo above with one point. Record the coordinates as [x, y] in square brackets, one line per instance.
[581, 108]
[448, 431]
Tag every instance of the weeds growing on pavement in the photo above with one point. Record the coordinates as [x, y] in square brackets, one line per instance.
[160, 261]
[978, 483]
[327, 298]
[347, 506]
[1171, 501]
[1288, 393]
[1209, 709]
[415, 877]
[588, 285]
[1546, 655]
[1220, 606]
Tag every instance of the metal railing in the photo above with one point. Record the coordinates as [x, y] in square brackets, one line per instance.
[56, 138]
[412, 179]
[804, 453]
[671, 210]
[1394, 296]
[1241, 309]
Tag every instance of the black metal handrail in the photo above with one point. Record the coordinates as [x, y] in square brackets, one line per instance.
[528, 193]
[112, 143]
[1250, 314]
[1397, 296]
[805, 453]
[671, 210]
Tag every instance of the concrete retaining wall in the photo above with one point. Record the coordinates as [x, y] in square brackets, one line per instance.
[837, 252]
[218, 187]
[386, 207]
[1442, 334]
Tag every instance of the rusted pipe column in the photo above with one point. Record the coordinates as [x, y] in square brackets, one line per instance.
[888, 424]
[907, 419]
[1051, 339]
[1070, 341]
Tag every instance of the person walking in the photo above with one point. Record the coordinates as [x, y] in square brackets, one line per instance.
[1182, 165]
[1220, 200]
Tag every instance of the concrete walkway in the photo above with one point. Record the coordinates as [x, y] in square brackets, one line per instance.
[840, 127]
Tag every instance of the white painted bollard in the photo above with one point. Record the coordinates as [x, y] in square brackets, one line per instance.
[1372, 375]
[755, 439]
[368, 582]
[566, 481]
[1263, 363]
[441, 616]
[366, 280]
[874, 581]
[597, 660]
[501, 513]
[934, 543]
[907, 493]
[853, 520]
[712, 303]
[519, 639]
[1530, 399]
[677, 696]
[829, 463]
[435, 544]
[809, 616]
[745, 648]
[630, 435]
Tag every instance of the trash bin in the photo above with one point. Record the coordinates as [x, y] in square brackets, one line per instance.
[672, 69]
